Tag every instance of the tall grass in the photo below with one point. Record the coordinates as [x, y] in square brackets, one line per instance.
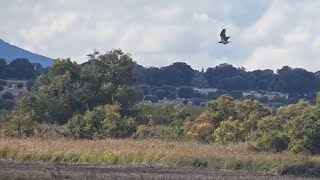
[158, 153]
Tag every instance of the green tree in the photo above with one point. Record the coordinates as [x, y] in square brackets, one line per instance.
[22, 119]
[21, 69]
[69, 88]
[57, 92]
[185, 92]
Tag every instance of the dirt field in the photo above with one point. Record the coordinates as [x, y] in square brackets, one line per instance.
[19, 170]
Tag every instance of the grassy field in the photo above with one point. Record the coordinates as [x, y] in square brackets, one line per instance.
[158, 153]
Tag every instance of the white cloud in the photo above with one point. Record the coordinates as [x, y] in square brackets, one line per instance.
[49, 26]
[285, 35]
[264, 34]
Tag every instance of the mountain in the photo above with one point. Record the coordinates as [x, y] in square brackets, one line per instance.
[10, 52]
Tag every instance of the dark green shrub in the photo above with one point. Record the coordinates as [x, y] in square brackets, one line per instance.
[268, 141]
[185, 101]
[185, 92]
[263, 99]
[236, 94]
[7, 95]
[20, 85]
[150, 98]
[30, 84]
[160, 94]
[3, 83]
[156, 113]
[7, 104]
[197, 101]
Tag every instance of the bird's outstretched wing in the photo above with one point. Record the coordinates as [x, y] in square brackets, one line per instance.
[223, 34]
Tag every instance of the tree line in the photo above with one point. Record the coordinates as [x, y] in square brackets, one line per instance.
[293, 81]
[19, 69]
[296, 82]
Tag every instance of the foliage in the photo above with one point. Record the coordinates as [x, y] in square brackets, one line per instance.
[19, 68]
[295, 127]
[20, 85]
[101, 122]
[98, 99]
[228, 120]
[177, 74]
[229, 131]
[202, 132]
[7, 104]
[69, 88]
[22, 120]
[160, 94]
[3, 115]
[185, 92]
[155, 113]
[7, 95]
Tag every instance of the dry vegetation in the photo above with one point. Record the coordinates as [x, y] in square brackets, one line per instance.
[158, 153]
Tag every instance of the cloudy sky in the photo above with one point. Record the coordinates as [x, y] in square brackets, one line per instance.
[265, 34]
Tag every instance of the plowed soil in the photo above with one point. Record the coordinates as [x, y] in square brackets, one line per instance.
[28, 170]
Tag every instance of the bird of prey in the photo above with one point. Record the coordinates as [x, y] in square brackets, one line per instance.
[224, 38]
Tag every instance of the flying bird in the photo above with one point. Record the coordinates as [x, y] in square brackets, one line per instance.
[224, 38]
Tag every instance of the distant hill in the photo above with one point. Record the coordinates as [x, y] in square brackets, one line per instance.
[11, 52]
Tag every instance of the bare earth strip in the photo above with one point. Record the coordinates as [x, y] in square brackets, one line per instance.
[28, 170]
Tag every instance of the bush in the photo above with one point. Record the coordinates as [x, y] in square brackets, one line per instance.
[7, 95]
[20, 85]
[221, 93]
[22, 120]
[202, 132]
[263, 99]
[212, 96]
[172, 96]
[3, 115]
[304, 133]
[278, 99]
[272, 141]
[30, 84]
[3, 83]
[185, 101]
[157, 113]
[228, 131]
[145, 132]
[160, 94]
[145, 89]
[170, 133]
[150, 98]
[7, 104]
[236, 94]
[185, 92]
[295, 127]
[101, 122]
[197, 101]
